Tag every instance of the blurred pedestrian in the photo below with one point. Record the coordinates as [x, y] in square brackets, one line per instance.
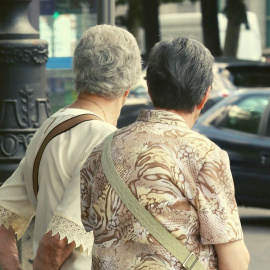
[179, 176]
[106, 64]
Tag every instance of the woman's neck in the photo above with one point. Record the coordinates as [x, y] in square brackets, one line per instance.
[107, 109]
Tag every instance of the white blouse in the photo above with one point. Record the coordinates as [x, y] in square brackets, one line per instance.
[57, 207]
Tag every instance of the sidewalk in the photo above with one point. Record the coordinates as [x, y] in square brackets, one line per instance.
[27, 248]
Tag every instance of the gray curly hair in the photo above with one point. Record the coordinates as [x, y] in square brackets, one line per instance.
[106, 61]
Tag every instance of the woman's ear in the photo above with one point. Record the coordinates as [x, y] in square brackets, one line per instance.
[126, 93]
[205, 98]
[124, 97]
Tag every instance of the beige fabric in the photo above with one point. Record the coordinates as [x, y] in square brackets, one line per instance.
[58, 205]
[179, 176]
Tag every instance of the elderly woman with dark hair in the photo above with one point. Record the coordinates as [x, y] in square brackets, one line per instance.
[106, 64]
[179, 176]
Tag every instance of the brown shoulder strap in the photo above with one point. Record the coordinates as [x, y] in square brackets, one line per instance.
[64, 126]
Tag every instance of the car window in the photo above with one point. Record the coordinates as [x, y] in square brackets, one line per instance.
[139, 92]
[250, 76]
[245, 115]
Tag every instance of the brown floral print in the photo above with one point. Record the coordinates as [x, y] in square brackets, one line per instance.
[179, 176]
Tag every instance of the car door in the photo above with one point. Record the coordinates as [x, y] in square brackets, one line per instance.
[245, 132]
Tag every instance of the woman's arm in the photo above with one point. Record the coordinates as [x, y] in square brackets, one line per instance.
[232, 256]
[52, 252]
[9, 258]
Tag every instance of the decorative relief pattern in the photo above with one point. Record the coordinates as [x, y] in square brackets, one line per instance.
[28, 118]
[23, 114]
[10, 143]
[11, 55]
[40, 56]
[26, 111]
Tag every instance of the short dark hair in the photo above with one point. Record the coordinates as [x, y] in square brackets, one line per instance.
[179, 73]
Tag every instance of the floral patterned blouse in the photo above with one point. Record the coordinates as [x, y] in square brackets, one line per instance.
[181, 177]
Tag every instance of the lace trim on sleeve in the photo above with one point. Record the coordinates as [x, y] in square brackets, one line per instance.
[18, 223]
[73, 232]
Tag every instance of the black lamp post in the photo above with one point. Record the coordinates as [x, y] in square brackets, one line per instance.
[23, 90]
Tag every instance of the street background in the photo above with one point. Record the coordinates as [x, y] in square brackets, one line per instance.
[256, 227]
[62, 26]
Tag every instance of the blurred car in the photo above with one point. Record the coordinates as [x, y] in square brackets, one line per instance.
[233, 74]
[140, 89]
[230, 75]
[130, 111]
[240, 125]
[250, 74]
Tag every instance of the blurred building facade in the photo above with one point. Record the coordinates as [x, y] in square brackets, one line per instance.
[261, 8]
[63, 21]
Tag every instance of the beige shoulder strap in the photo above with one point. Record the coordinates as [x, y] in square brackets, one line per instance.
[64, 126]
[188, 259]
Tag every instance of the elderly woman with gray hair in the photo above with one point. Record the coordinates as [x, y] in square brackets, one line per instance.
[106, 64]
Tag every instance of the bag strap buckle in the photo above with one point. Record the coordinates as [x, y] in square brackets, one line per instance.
[187, 259]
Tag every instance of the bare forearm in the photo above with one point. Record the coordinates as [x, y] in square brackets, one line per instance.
[9, 257]
[232, 256]
[52, 252]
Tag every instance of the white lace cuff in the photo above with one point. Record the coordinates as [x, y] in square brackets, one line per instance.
[73, 232]
[18, 223]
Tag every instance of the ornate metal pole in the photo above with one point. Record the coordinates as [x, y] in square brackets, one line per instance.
[23, 90]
